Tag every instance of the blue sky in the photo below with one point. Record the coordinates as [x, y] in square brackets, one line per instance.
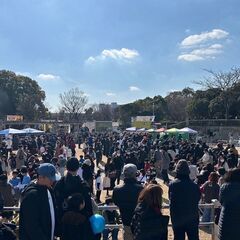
[118, 50]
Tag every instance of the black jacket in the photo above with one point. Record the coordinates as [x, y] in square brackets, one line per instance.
[35, 217]
[125, 197]
[75, 225]
[149, 224]
[64, 188]
[229, 222]
[184, 196]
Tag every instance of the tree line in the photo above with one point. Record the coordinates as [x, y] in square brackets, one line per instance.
[218, 98]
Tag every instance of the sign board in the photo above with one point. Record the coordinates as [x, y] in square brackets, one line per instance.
[14, 118]
[142, 121]
[101, 126]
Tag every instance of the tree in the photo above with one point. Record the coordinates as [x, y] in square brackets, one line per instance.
[224, 81]
[177, 103]
[21, 95]
[73, 103]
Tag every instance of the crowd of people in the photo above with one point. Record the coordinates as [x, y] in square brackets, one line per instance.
[58, 190]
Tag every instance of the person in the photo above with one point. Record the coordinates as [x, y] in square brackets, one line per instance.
[184, 196]
[98, 186]
[229, 221]
[165, 165]
[125, 197]
[7, 191]
[221, 172]
[87, 173]
[6, 233]
[68, 185]
[148, 223]
[37, 209]
[111, 217]
[21, 157]
[62, 161]
[193, 170]
[75, 221]
[210, 191]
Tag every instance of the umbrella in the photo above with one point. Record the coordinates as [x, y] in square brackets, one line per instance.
[188, 130]
[151, 130]
[172, 130]
[160, 130]
[141, 130]
[131, 129]
[11, 131]
[32, 131]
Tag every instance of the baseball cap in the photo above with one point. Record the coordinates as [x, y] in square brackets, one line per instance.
[47, 170]
[130, 170]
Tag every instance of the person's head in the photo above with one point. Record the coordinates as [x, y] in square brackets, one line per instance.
[233, 175]
[73, 165]
[3, 178]
[213, 177]
[130, 171]
[14, 173]
[221, 171]
[75, 202]
[46, 174]
[23, 170]
[151, 195]
[182, 168]
[109, 201]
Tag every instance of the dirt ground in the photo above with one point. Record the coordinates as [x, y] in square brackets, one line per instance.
[204, 235]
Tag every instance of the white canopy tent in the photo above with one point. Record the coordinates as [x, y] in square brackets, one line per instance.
[188, 130]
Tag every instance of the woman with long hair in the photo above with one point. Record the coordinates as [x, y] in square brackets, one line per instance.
[148, 223]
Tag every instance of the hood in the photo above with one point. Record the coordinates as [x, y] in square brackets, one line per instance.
[73, 218]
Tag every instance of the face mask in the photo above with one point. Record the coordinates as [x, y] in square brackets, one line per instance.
[222, 160]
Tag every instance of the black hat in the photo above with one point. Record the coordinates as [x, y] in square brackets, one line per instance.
[73, 164]
[182, 167]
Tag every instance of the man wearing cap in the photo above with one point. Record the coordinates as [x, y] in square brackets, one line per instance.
[125, 197]
[37, 209]
[184, 196]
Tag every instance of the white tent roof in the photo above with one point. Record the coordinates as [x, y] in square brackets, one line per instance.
[131, 129]
[188, 130]
[32, 130]
[11, 131]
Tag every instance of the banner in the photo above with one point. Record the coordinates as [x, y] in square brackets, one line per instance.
[14, 118]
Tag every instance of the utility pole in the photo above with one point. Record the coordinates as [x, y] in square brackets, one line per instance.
[153, 109]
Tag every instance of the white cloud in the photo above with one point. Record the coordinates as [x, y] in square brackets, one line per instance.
[110, 94]
[123, 54]
[45, 77]
[189, 57]
[202, 53]
[193, 40]
[134, 88]
[86, 95]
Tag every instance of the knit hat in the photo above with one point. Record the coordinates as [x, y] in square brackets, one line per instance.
[87, 162]
[130, 171]
[182, 167]
[73, 164]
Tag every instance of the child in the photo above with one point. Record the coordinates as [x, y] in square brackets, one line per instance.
[111, 217]
[15, 180]
[98, 186]
[106, 183]
[75, 221]
[25, 178]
